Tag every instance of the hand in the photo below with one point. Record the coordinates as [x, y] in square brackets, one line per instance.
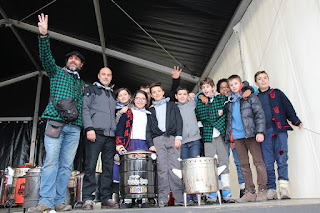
[91, 135]
[259, 137]
[246, 94]
[43, 24]
[204, 99]
[124, 109]
[232, 145]
[153, 148]
[177, 144]
[300, 126]
[176, 72]
[119, 147]
[216, 93]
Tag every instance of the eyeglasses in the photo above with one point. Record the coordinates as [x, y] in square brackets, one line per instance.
[139, 99]
[226, 87]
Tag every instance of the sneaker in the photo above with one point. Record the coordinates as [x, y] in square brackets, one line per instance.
[63, 207]
[272, 194]
[242, 192]
[227, 196]
[88, 205]
[262, 195]
[284, 194]
[110, 204]
[162, 204]
[284, 189]
[247, 197]
[195, 201]
[211, 198]
[180, 203]
[40, 208]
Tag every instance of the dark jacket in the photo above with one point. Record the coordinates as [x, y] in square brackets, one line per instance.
[282, 110]
[252, 115]
[98, 110]
[123, 131]
[173, 123]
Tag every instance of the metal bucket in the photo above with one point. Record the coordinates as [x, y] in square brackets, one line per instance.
[200, 175]
[138, 175]
[32, 188]
[18, 172]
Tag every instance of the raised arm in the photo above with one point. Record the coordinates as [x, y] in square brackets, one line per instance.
[46, 58]
[175, 82]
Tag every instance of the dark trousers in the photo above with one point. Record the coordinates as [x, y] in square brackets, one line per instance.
[105, 145]
[242, 147]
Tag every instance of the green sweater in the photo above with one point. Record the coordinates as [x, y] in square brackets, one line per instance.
[62, 84]
[209, 116]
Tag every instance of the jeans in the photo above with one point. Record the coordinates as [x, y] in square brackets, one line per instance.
[190, 149]
[107, 147]
[56, 172]
[237, 163]
[275, 149]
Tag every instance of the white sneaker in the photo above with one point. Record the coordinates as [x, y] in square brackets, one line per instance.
[284, 189]
[272, 194]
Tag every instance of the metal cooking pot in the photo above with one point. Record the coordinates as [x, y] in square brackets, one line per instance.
[138, 174]
[200, 175]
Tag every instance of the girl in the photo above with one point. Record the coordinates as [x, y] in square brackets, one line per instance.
[123, 101]
[133, 136]
[131, 129]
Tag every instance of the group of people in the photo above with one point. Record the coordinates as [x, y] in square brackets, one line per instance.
[234, 116]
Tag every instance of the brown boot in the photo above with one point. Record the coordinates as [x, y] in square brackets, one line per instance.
[110, 204]
[247, 197]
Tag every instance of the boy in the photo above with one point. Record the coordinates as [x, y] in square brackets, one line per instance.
[213, 119]
[164, 135]
[245, 130]
[278, 109]
[191, 145]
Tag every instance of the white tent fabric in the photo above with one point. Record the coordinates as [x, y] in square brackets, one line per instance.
[282, 38]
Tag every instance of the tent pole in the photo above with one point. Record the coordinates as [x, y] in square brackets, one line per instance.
[35, 120]
[100, 28]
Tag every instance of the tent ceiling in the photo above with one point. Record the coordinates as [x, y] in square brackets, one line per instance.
[190, 30]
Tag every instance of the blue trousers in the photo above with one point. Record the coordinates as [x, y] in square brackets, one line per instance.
[56, 172]
[275, 149]
[190, 149]
[237, 163]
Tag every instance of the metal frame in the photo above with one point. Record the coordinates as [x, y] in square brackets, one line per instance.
[108, 52]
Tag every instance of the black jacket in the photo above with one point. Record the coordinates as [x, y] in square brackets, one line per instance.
[173, 123]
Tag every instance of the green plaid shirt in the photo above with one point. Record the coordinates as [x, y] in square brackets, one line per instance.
[62, 84]
[209, 116]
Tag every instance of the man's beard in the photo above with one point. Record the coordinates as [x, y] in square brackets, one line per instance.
[76, 68]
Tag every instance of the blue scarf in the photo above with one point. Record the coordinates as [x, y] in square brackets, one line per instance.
[162, 101]
[121, 105]
[99, 85]
[71, 72]
[233, 97]
[141, 110]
